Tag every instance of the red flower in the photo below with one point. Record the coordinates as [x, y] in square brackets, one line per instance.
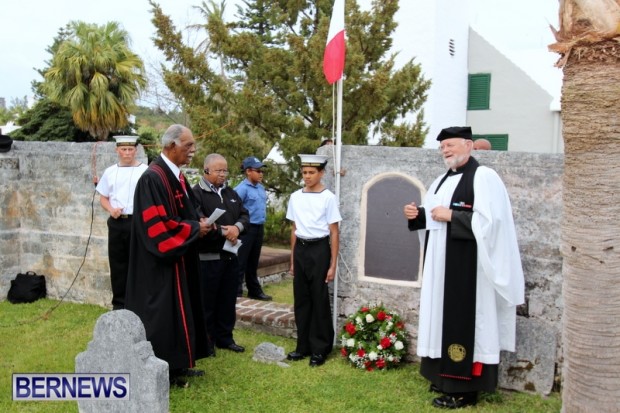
[350, 327]
[368, 365]
[400, 325]
[385, 342]
[380, 363]
[343, 351]
[364, 309]
[361, 352]
[381, 315]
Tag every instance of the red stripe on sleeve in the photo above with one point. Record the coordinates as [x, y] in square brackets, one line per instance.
[160, 227]
[150, 213]
[175, 241]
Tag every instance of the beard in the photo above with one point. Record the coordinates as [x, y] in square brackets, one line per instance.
[455, 161]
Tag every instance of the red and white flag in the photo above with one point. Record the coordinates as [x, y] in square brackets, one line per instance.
[333, 59]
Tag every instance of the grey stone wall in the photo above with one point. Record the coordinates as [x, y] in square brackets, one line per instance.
[534, 185]
[49, 214]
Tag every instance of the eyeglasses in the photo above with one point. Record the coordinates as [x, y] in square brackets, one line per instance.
[217, 171]
[260, 171]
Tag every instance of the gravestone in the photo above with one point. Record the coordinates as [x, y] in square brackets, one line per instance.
[119, 346]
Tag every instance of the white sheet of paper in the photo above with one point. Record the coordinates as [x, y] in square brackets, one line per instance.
[430, 202]
[228, 246]
[215, 215]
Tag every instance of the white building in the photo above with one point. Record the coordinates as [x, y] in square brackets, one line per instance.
[507, 105]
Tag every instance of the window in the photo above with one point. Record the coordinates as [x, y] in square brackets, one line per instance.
[479, 91]
[498, 142]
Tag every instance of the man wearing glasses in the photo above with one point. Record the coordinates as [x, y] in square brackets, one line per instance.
[162, 281]
[254, 198]
[219, 266]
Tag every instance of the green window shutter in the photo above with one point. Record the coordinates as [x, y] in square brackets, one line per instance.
[479, 91]
[498, 142]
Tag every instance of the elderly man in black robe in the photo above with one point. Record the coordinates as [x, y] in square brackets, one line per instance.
[472, 280]
[162, 283]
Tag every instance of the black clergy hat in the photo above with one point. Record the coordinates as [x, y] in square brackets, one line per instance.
[455, 132]
[5, 143]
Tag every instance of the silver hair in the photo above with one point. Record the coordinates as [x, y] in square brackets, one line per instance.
[212, 157]
[172, 134]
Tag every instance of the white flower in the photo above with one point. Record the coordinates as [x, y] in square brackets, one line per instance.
[399, 345]
[369, 318]
[352, 357]
[358, 320]
[350, 342]
[390, 358]
[372, 356]
[389, 325]
[379, 347]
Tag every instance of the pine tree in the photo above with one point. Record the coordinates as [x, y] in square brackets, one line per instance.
[272, 89]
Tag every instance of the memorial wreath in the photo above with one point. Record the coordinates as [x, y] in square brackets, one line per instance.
[373, 338]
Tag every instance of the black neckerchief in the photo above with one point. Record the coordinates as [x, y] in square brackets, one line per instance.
[459, 303]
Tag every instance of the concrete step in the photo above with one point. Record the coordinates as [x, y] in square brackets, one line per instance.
[268, 316]
[273, 261]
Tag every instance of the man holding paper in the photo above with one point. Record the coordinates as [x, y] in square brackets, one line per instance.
[218, 252]
[472, 279]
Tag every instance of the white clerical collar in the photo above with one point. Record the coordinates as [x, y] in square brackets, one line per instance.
[175, 169]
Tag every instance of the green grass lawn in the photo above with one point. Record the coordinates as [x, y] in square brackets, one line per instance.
[233, 382]
[282, 292]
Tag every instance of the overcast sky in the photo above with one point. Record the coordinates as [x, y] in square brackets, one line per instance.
[27, 27]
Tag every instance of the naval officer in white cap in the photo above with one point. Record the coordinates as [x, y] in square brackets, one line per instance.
[116, 189]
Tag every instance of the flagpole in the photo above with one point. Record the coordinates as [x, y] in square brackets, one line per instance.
[337, 169]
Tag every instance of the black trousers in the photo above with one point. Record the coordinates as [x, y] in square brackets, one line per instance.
[315, 332]
[218, 286]
[249, 255]
[119, 235]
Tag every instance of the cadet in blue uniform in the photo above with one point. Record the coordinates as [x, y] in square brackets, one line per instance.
[254, 198]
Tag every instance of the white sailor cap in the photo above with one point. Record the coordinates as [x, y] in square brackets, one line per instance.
[313, 160]
[126, 140]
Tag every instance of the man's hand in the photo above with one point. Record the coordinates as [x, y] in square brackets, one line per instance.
[116, 212]
[441, 214]
[231, 232]
[331, 274]
[411, 211]
[204, 227]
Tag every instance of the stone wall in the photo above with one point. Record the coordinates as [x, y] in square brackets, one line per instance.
[534, 186]
[50, 214]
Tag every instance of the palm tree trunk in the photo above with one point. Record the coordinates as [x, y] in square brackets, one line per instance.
[591, 229]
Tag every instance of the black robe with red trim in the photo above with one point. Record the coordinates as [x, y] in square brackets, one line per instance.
[162, 283]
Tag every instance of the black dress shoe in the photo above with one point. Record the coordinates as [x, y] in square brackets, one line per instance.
[192, 372]
[456, 400]
[233, 347]
[317, 360]
[176, 378]
[262, 297]
[178, 381]
[295, 356]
